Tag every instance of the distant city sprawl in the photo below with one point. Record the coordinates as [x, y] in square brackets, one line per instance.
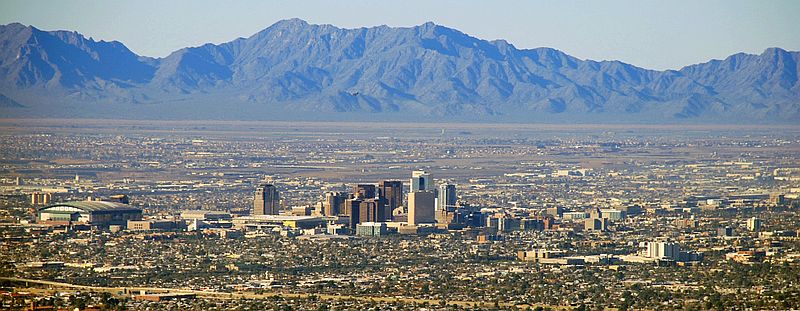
[400, 216]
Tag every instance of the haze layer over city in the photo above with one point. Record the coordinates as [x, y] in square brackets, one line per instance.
[414, 166]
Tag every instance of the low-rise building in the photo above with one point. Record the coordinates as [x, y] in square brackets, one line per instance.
[271, 221]
[152, 224]
[371, 229]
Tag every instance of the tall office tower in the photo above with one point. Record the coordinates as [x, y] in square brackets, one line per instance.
[391, 191]
[332, 205]
[352, 209]
[447, 197]
[364, 191]
[421, 181]
[265, 200]
[421, 207]
[371, 210]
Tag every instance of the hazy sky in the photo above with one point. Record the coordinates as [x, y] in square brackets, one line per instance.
[650, 34]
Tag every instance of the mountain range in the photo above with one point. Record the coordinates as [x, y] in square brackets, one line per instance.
[293, 70]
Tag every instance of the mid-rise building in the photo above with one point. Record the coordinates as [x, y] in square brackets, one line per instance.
[612, 214]
[531, 224]
[549, 223]
[332, 205]
[754, 224]
[504, 223]
[265, 200]
[727, 231]
[555, 211]
[445, 217]
[39, 198]
[661, 250]
[574, 215]
[595, 224]
[777, 199]
[534, 255]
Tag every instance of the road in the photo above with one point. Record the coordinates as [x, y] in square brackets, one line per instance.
[122, 291]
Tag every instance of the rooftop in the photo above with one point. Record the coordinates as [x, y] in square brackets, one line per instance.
[94, 206]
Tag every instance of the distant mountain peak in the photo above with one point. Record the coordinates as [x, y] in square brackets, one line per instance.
[291, 22]
[774, 50]
[294, 69]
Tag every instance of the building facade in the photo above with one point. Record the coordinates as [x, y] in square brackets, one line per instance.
[421, 207]
[754, 224]
[365, 191]
[265, 200]
[371, 210]
[421, 181]
[371, 229]
[151, 224]
[41, 198]
[595, 224]
[332, 205]
[391, 191]
[662, 250]
[447, 197]
[352, 209]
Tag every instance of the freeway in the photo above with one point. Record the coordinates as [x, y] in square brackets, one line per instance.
[122, 291]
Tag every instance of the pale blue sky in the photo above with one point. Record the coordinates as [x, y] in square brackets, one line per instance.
[650, 34]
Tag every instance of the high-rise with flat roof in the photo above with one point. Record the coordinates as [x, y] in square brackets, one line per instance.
[421, 207]
[391, 191]
[447, 197]
[265, 200]
[332, 205]
[352, 209]
[421, 181]
[364, 191]
[371, 210]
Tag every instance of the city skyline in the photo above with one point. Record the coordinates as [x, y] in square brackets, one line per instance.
[400, 155]
[171, 208]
